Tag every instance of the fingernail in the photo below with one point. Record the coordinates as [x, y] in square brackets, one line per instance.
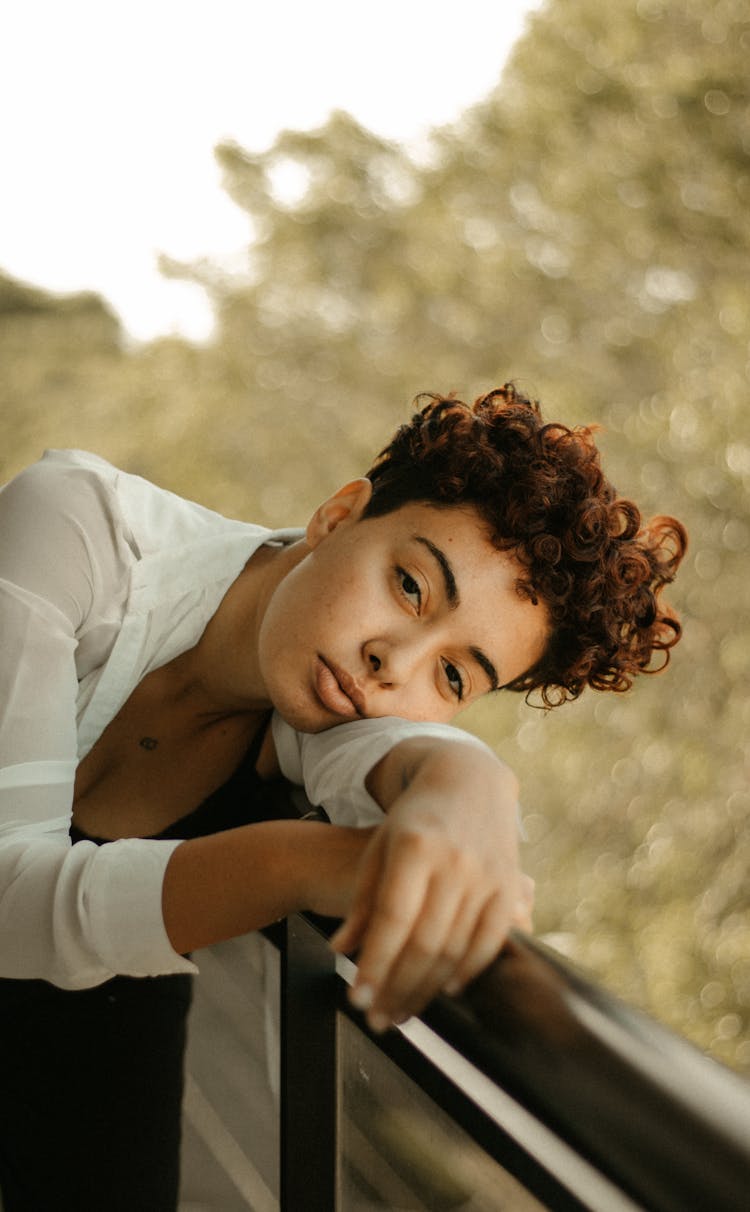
[362, 996]
[379, 1022]
[452, 988]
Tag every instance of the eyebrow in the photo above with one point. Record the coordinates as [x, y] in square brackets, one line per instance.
[451, 593]
[451, 588]
[487, 666]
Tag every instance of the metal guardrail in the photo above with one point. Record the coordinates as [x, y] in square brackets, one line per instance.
[583, 1101]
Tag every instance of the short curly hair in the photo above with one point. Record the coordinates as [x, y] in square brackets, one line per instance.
[542, 493]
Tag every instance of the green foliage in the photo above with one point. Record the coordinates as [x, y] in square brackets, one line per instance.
[585, 231]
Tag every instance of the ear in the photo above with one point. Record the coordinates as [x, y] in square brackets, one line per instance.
[346, 505]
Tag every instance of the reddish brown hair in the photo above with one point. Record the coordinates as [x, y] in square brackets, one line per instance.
[541, 491]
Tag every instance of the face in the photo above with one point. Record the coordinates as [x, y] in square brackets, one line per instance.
[413, 614]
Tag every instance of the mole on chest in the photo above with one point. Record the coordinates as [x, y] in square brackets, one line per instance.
[150, 768]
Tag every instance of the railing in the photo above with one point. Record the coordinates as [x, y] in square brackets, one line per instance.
[534, 1090]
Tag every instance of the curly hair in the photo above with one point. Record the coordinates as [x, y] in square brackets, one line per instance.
[541, 491]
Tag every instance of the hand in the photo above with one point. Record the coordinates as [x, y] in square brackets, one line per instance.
[522, 914]
[438, 885]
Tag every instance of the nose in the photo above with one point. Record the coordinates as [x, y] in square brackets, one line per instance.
[393, 662]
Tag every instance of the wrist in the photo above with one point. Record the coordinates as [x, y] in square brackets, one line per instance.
[461, 766]
[328, 868]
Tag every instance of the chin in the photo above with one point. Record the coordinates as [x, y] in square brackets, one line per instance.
[304, 717]
[309, 719]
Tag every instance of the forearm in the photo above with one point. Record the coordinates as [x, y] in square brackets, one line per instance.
[229, 883]
[457, 780]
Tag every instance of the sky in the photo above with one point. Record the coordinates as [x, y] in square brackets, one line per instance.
[110, 113]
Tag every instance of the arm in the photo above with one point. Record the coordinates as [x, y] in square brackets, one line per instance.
[429, 895]
[73, 915]
[439, 885]
[226, 884]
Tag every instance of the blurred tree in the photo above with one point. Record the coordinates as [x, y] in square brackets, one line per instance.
[69, 378]
[587, 230]
[42, 339]
[584, 230]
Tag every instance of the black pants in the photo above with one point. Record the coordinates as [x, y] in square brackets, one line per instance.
[90, 1094]
[91, 1081]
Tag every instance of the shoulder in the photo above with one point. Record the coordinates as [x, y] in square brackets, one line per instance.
[68, 496]
[56, 528]
[106, 503]
[66, 490]
[50, 480]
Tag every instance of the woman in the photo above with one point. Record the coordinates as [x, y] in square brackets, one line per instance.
[146, 643]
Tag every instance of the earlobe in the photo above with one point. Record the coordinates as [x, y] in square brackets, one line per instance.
[346, 505]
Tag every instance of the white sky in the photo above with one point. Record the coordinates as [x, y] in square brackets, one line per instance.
[110, 111]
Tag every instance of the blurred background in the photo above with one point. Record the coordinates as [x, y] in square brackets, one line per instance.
[559, 194]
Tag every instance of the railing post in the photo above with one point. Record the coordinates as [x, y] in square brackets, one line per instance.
[308, 1071]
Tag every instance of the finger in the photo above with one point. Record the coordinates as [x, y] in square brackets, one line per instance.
[429, 955]
[459, 938]
[486, 943]
[522, 913]
[398, 901]
[526, 889]
[349, 934]
[522, 919]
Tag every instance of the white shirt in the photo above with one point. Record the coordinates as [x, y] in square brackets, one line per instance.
[103, 578]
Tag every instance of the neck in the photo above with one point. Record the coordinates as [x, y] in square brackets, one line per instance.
[222, 671]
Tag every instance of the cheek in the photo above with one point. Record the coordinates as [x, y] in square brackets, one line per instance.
[280, 631]
[343, 595]
[304, 609]
[331, 602]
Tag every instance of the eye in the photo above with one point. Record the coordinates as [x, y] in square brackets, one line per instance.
[410, 588]
[455, 681]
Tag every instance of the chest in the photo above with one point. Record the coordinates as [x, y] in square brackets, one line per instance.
[158, 759]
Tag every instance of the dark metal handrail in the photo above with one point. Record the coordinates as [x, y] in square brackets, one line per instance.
[558, 1068]
[668, 1125]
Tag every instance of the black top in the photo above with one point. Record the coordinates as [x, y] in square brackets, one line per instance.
[244, 799]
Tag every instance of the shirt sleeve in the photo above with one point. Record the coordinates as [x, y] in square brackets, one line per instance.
[62, 907]
[333, 765]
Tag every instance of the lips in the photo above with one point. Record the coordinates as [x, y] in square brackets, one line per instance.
[337, 691]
